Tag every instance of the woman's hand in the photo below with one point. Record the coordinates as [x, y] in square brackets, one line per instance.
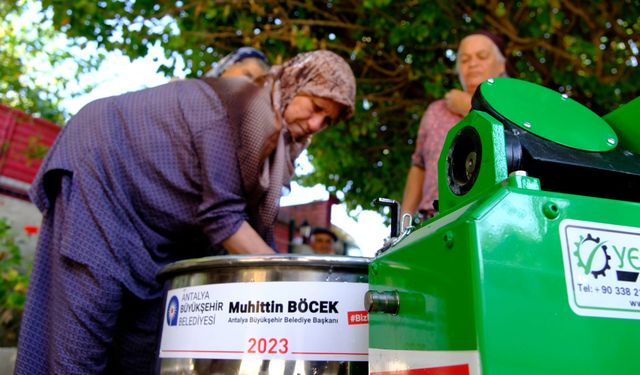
[458, 101]
[246, 241]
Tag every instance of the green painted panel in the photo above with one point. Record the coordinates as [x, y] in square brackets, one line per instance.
[490, 276]
[434, 286]
[626, 122]
[525, 322]
[492, 169]
[548, 114]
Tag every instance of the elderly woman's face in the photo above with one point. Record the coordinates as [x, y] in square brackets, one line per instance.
[306, 115]
[478, 61]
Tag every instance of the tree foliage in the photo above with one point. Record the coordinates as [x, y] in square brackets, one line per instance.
[402, 53]
[37, 64]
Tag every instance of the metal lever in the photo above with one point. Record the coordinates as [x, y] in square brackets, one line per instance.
[394, 207]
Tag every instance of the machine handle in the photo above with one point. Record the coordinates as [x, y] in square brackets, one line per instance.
[394, 207]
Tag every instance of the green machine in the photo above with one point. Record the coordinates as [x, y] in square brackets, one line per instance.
[532, 264]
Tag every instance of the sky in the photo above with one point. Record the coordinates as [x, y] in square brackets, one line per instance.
[119, 75]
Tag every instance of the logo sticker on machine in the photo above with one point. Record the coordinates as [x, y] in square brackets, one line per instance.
[602, 265]
[267, 320]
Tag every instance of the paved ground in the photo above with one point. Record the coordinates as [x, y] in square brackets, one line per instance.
[20, 214]
[7, 360]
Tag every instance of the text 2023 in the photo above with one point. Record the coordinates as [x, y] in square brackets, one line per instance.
[268, 345]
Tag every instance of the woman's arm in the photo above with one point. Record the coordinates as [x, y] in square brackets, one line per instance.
[246, 241]
[412, 191]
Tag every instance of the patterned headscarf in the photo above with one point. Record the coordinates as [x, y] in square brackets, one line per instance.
[318, 73]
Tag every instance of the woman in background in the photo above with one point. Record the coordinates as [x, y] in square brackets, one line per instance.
[480, 57]
[245, 61]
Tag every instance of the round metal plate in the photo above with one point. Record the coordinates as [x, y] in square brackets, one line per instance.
[548, 114]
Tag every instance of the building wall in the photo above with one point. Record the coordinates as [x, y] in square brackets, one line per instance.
[316, 214]
[24, 141]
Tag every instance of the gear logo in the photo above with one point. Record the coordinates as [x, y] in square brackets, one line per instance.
[172, 311]
[592, 255]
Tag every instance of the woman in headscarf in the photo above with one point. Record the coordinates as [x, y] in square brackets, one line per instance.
[137, 181]
[243, 62]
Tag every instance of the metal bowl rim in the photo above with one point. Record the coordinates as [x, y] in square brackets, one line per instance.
[250, 261]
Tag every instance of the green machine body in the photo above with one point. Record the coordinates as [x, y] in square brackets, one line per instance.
[532, 264]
